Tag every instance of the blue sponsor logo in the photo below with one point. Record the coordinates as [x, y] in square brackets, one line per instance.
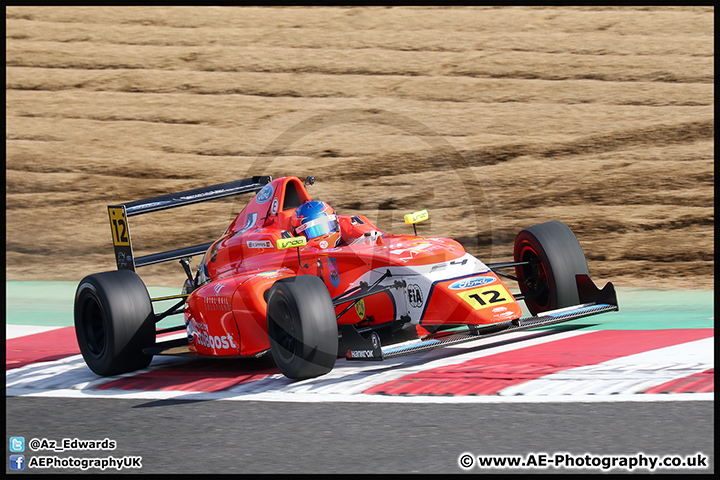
[466, 283]
[265, 194]
[334, 275]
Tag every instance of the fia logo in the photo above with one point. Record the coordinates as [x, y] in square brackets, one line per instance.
[415, 296]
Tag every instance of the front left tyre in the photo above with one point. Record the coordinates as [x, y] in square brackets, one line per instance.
[302, 327]
[114, 322]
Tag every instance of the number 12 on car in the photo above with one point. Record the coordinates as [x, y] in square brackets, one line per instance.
[489, 296]
[119, 226]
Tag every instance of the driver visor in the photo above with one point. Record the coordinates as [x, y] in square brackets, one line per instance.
[319, 226]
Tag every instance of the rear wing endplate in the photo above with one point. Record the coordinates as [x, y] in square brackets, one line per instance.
[119, 214]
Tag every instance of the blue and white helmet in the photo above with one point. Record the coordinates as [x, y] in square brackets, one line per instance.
[317, 221]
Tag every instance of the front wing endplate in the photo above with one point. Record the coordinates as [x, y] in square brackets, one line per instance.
[540, 320]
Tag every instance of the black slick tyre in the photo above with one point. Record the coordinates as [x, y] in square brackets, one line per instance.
[302, 327]
[555, 258]
[114, 321]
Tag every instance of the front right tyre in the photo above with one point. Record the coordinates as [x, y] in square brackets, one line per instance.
[554, 258]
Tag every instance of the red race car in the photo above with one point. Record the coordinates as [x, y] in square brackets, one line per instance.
[292, 277]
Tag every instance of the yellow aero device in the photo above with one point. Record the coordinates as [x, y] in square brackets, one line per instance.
[291, 242]
[415, 217]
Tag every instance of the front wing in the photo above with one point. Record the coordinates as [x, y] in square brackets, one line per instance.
[358, 347]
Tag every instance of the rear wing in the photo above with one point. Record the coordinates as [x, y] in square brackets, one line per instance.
[119, 214]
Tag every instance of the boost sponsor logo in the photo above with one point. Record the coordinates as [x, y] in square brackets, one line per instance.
[215, 341]
[473, 282]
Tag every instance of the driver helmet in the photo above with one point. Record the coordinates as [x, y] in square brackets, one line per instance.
[317, 221]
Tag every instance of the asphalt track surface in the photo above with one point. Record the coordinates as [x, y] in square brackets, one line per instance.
[276, 437]
[211, 436]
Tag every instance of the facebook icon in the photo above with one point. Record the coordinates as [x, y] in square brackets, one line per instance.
[17, 462]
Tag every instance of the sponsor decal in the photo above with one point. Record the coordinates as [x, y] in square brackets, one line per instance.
[198, 333]
[218, 287]
[123, 259]
[415, 296]
[466, 283]
[454, 263]
[370, 353]
[334, 275]
[319, 271]
[360, 309]
[359, 354]
[413, 250]
[259, 244]
[217, 342]
[191, 325]
[324, 244]
[217, 304]
[265, 194]
[291, 242]
[438, 266]
[147, 205]
[416, 217]
[458, 262]
[204, 194]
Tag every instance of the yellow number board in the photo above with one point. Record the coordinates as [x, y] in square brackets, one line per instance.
[488, 296]
[119, 226]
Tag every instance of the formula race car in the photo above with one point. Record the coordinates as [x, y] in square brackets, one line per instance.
[292, 277]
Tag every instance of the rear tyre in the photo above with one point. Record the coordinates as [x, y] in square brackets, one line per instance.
[302, 327]
[114, 321]
[555, 257]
